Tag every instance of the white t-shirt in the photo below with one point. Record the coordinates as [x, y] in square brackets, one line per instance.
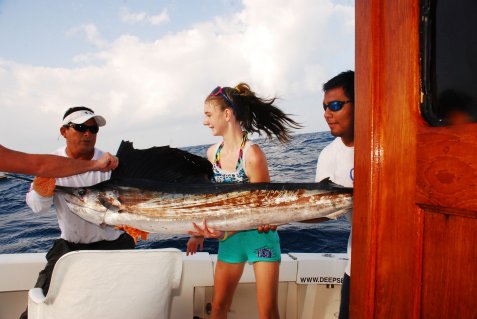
[74, 228]
[336, 161]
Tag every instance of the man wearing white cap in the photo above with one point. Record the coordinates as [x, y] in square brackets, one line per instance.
[79, 127]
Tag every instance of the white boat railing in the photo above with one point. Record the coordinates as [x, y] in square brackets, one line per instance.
[309, 286]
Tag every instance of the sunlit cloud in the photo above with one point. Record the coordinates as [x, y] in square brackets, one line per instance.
[153, 91]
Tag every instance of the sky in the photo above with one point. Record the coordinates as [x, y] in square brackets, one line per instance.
[147, 66]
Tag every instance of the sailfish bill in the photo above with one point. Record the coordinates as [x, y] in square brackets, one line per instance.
[165, 190]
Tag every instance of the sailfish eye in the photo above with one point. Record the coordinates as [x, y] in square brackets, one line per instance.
[82, 192]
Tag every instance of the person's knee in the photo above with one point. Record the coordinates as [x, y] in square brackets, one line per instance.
[221, 302]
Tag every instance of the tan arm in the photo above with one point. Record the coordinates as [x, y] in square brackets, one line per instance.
[51, 165]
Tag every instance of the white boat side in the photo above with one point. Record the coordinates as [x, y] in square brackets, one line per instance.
[310, 285]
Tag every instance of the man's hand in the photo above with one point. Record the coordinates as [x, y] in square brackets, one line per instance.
[106, 162]
[195, 243]
[266, 228]
[45, 186]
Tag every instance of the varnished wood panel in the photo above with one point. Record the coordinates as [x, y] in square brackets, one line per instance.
[447, 175]
[449, 286]
[365, 192]
[387, 224]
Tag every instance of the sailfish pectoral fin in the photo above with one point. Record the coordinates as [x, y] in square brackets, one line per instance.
[133, 232]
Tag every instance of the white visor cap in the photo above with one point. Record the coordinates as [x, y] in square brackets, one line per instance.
[79, 117]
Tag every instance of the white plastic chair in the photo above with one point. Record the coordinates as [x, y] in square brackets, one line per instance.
[115, 284]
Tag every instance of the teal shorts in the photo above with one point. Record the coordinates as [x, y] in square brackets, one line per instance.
[251, 246]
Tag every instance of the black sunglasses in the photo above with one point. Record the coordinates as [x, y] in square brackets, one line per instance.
[83, 127]
[335, 105]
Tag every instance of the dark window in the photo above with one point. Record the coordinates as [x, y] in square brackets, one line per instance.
[449, 61]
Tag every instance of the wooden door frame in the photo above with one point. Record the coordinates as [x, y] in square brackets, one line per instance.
[387, 119]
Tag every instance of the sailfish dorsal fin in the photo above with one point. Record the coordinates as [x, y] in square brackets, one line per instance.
[162, 163]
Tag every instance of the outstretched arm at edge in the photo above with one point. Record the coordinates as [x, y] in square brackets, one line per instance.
[51, 165]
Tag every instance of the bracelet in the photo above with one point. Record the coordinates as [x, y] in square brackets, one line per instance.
[226, 235]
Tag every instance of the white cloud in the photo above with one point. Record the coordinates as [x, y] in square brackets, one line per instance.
[130, 17]
[136, 17]
[91, 33]
[152, 92]
[160, 18]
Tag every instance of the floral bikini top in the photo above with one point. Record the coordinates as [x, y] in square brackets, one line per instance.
[238, 176]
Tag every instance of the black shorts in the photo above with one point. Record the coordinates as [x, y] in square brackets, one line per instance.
[62, 247]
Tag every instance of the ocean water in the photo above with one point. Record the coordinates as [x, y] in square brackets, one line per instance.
[22, 231]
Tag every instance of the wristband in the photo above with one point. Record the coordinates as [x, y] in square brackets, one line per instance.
[226, 235]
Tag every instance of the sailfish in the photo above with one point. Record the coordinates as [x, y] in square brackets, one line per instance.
[165, 190]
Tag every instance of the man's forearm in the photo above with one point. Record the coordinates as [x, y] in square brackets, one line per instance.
[43, 164]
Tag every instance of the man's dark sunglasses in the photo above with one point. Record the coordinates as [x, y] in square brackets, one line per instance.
[335, 105]
[218, 91]
[83, 127]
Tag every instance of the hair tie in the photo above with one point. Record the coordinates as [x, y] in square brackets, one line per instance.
[236, 90]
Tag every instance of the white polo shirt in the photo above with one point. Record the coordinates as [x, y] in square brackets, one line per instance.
[336, 161]
[74, 228]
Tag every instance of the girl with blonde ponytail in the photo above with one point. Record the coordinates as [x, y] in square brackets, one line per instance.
[233, 113]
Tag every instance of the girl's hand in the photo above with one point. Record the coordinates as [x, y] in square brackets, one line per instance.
[206, 232]
[266, 228]
[193, 243]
